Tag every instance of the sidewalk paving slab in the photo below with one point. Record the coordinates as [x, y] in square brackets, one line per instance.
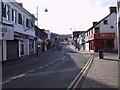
[103, 73]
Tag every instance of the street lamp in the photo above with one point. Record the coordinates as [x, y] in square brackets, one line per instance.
[45, 10]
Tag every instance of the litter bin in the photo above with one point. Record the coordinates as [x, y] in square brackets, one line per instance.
[101, 54]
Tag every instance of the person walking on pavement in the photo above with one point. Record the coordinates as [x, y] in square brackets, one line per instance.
[78, 46]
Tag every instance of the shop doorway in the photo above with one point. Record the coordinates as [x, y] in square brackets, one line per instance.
[12, 49]
[22, 48]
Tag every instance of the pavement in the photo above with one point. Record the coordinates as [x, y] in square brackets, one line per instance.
[103, 73]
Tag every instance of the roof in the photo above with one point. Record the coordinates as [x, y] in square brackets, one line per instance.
[40, 33]
[99, 22]
[20, 7]
[77, 33]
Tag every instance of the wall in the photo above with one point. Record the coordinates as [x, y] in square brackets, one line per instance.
[111, 22]
[17, 27]
[0, 50]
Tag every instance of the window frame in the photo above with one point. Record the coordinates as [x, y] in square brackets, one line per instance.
[105, 22]
[20, 19]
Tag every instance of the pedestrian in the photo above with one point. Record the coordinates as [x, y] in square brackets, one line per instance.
[78, 46]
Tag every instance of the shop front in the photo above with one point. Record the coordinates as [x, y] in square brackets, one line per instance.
[7, 42]
[31, 46]
[104, 41]
[12, 49]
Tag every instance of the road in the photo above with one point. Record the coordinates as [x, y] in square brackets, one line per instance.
[56, 73]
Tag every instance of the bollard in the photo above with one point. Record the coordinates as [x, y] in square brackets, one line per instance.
[101, 54]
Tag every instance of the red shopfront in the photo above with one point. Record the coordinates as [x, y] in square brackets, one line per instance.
[104, 41]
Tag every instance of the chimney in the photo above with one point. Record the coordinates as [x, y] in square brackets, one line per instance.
[94, 23]
[113, 9]
[20, 4]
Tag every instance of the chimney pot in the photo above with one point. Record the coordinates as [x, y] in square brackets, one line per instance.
[20, 4]
[113, 9]
[94, 23]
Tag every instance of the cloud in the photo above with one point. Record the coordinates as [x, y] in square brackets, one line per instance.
[103, 3]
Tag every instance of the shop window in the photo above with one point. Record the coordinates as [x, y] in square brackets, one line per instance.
[31, 45]
[105, 22]
[19, 18]
[3, 10]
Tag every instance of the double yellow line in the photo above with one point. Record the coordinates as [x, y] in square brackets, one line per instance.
[78, 78]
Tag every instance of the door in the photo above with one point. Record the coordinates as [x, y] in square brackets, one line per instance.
[12, 49]
[22, 48]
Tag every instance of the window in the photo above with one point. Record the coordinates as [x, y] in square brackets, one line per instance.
[31, 45]
[8, 12]
[27, 22]
[19, 18]
[87, 33]
[12, 14]
[91, 31]
[3, 10]
[111, 27]
[15, 16]
[23, 20]
[97, 30]
[105, 22]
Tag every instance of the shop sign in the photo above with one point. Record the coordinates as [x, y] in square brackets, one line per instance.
[91, 37]
[6, 33]
[102, 36]
[105, 36]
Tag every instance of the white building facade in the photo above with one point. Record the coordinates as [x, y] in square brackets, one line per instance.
[103, 34]
[22, 40]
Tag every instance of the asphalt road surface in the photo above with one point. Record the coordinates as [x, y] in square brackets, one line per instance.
[56, 74]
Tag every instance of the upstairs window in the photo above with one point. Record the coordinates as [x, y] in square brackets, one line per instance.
[105, 22]
[23, 21]
[8, 12]
[97, 30]
[15, 16]
[19, 18]
[91, 31]
[3, 10]
[111, 27]
[27, 22]
[12, 14]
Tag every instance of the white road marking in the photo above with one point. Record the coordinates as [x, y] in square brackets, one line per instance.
[33, 70]
[6, 81]
[46, 65]
[40, 67]
[63, 58]
[21, 75]
[18, 76]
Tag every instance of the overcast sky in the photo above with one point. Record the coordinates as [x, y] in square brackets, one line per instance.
[65, 14]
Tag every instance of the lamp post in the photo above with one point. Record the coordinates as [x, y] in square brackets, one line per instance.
[45, 10]
[118, 26]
